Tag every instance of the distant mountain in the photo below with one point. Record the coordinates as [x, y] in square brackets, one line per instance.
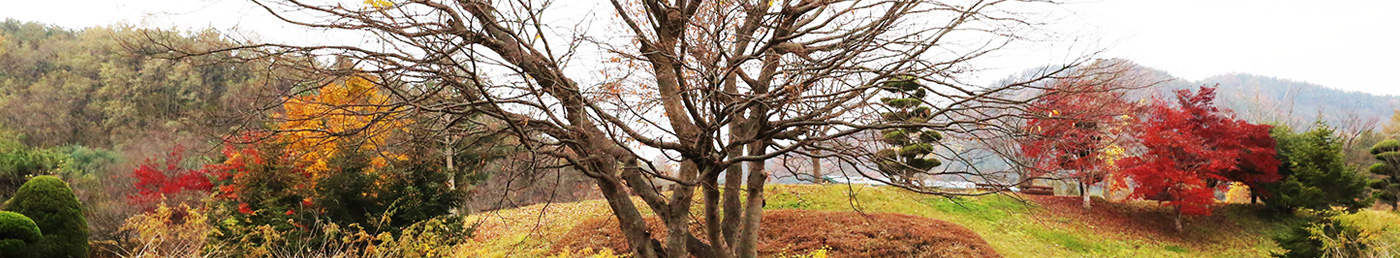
[1265, 99]
[1254, 98]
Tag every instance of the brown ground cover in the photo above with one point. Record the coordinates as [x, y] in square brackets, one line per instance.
[1146, 221]
[846, 234]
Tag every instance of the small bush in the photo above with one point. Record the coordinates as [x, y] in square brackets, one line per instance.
[437, 237]
[19, 161]
[586, 252]
[819, 253]
[17, 233]
[169, 232]
[53, 207]
[1367, 233]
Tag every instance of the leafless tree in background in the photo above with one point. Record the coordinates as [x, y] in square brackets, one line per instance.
[1352, 126]
[721, 86]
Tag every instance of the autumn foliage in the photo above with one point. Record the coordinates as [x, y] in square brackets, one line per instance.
[1078, 129]
[159, 178]
[316, 126]
[1193, 148]
[327, 160]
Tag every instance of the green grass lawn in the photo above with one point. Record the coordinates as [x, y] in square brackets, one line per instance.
[1057, 226]
[1015, 227]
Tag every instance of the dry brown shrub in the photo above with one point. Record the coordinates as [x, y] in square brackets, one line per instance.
[847, 234]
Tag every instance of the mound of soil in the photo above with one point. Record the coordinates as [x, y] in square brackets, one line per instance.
[847, 234]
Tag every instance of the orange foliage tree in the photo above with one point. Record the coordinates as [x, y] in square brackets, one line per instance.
[348, 114]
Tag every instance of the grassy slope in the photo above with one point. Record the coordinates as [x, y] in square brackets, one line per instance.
[1041, 227]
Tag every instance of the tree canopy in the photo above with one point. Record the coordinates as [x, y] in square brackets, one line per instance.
[1193, 148]
[720, 86]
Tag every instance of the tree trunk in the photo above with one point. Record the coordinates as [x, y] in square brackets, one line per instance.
[738, 131]
[1178, 220]
[817, 170]
[633, 226]
[1084, 192]
[747, 246]
[678, 218]
[448, 151]
[753, 210]
[733, 181]
[713, 229]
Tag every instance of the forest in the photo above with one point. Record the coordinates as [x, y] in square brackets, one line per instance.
[686, 129]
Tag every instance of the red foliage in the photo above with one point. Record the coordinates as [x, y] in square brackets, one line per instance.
[1193, 149]
[155, 180]
[235, 168]
[1072, 125]
[254, 178]
[245, 209]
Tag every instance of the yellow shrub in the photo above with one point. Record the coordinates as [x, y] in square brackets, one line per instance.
[431, 238]
[169, 232]
[819, 253]
[588, 253]
[1366, 233]
[1239, 193]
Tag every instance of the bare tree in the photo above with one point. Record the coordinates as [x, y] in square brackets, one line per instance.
[1352, 126]
[720, 86]
[1392, 128]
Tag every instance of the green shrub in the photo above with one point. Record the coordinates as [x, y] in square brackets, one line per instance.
[901, 83]
[18, 162]
[1366, 233]
[53, 207]
[1390, 145]
[384, 199]
[79, 160]
[271, 207]
[17, 233]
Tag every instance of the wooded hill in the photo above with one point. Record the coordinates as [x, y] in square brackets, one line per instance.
[1267, 99]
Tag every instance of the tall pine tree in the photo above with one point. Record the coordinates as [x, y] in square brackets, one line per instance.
[911, 143]
[1315, 174]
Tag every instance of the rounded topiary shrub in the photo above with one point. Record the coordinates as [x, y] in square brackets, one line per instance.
[17, 234]
[53, 207]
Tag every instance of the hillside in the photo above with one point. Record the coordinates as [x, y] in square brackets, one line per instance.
[1039, 227]
[1270, 99]
[1267, 99]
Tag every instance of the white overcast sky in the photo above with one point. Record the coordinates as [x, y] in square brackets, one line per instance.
[1346, 44]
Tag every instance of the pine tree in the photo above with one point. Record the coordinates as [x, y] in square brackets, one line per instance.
[1315, 175]
[1388, 187]
[912, 142]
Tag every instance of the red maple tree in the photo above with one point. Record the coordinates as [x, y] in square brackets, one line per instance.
[159, 178]
[1073, 128]
[1194, 148]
